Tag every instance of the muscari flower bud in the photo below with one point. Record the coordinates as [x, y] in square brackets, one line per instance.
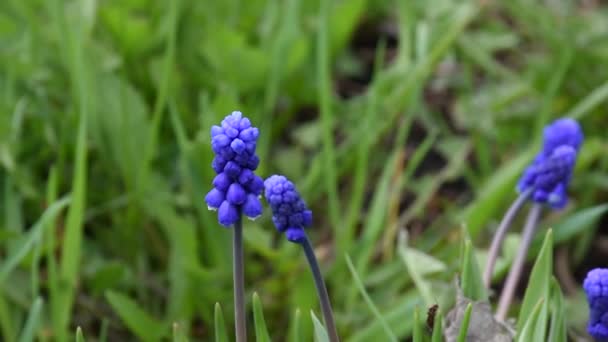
[236, 189]
[289, 212]
[549, 174]
[596, 288]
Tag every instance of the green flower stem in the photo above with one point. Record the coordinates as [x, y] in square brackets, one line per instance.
[240, 325]
[500, 234]
[512, 279]
[328, 315]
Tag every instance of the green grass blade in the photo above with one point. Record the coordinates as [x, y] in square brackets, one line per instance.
[470, 279]
[422, 285]
[370, 304]
[586, 105]
[557, 329]
[179, 333]
[417, 334]
[32, 323]
[144, 326]
[71, 251]
[538, 284]
[32, 238]
[464, 327]
[294, 335]
[528, 330]
[261, 331]
[320, 332]
[577, 223]
[221, 335]
[437, 327]
[79, 335]
[325, 99]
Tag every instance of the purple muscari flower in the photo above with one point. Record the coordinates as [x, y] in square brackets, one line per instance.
[289, 212]
[236, 189]
[549, 173]
[596, 288]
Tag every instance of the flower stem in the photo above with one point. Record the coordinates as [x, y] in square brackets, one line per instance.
[500, 234]
[240, 325]
[511, 283]
[328, 315]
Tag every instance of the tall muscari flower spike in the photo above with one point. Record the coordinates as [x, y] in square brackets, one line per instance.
[290, 215]
[289, 212]
[596, 288]
[544, 182]
[236, 189]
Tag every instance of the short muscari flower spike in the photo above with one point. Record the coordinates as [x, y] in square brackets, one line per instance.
[549, 174]
[596, 288]
[289, 212]
[236, 189]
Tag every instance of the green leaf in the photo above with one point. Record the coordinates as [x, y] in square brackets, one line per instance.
[144, 326]
[437, 327]
[370, 304]
[179, 333]
[32, 238]
[578, 222]
[423, 286]
[221, 335]
[79, 336]
[464, 327]
[528, 331]
[320, 332]
[294, 335]
[33, 320]
[261, 331]
[417, 334]
[557, 330]
[538, 284]
[472, 284]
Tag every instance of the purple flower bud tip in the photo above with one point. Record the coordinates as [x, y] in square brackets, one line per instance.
[596, 289]
[236, 187]
[227, 214]
[214, 199]
[549, 174]
[289, 212]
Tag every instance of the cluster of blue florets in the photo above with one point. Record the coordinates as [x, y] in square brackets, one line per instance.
[549, 174]
[236, 189]
[289, 212]
[596, 288]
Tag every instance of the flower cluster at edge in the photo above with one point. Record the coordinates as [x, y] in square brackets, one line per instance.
[549, 174]
[596, 288]
[289, 212]
[236, 189]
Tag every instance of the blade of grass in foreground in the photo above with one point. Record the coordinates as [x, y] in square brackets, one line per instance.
[261, 331]
[221, 335]
[368, 300]
[464, 327]
[33, 320]
[320, 332]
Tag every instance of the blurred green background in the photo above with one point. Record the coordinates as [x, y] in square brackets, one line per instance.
[390, 116]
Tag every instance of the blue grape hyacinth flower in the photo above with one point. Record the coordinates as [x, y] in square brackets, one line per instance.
[236, 189]
[596, 288]
[289, 212]
[548, 176]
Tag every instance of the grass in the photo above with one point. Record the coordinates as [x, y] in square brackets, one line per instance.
[387, 115]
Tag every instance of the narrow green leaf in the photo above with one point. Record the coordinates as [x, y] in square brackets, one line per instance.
[472, 284]
[179, 333]
[597, 96]
[221, 335]
[539, 282]
[79, 335]
[526, 334]
[144, 326]
[33, 320]
[557, 330]
[320, 332]
[437, 327]
[294, 335]
[464, 327]
[422, 285]
[417, 334]
[370, 304]
[32, 238]
[261, 331]
[578, 222]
